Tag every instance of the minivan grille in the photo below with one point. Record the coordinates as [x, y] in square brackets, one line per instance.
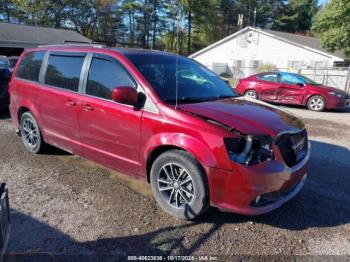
[293, 147]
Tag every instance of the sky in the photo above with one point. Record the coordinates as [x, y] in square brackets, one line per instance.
[322, 1]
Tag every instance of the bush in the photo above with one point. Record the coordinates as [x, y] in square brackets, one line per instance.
[266, 67]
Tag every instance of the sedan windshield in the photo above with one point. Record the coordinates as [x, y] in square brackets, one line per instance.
[191, 81]
[306, 80]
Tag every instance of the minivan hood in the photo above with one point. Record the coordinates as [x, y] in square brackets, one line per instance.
[251, 117]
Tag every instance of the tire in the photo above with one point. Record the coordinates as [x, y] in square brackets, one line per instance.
[251, 94]
[30, 133]
[316, 103]
[187, 200]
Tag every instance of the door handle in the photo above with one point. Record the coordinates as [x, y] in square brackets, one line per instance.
[71, 103]
[87, 107]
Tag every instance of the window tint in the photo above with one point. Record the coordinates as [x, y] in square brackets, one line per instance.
[64, 71]
[291, 79]
[268, 77]
[104, 76]
[29, 66]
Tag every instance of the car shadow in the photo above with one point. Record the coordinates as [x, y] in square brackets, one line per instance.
[4, 113]
[38, 241]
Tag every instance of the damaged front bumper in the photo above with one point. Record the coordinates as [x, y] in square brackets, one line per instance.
[254, 190]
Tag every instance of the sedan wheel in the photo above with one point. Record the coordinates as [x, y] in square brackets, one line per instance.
[251, 94]
[316, 103]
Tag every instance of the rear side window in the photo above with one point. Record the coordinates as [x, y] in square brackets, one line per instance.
[29, 66]
[268, 77]
[104, 76]
[63, 71]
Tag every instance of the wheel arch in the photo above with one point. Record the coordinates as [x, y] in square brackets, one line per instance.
[155, 154]
[178, 142]
[21, 111]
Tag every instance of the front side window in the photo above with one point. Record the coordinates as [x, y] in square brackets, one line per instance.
[291, 79]
[268, 77]
[29, 67]
[63, 71]
[104, 76]
[174, 77]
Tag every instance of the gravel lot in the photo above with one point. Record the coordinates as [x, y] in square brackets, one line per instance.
[66, 206]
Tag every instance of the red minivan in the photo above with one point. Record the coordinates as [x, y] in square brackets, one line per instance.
[163, 118]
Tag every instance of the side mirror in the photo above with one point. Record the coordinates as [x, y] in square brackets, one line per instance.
[125, 95]
[300, 84]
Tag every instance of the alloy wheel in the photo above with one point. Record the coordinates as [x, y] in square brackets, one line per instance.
[175, 185]
[29, 133]
[251, 94]
[316, 104]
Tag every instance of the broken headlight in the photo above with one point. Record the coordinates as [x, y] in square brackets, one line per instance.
[249, 150]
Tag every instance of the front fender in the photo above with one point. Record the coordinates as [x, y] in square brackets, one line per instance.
[197, 148]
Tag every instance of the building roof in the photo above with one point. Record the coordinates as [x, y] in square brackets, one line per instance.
[25, 36]
[307, 42]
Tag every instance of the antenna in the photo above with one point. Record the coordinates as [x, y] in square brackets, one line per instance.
[177, 59]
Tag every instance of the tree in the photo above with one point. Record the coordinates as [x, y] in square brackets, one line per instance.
[296, 16]
[7, 11]
[332, 24]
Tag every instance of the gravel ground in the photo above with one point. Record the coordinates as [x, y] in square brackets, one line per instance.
[65, 206]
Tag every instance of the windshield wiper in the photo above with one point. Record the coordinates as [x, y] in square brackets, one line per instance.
[220, 97]
[186, 100]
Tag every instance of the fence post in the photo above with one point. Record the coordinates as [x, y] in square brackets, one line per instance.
[347, 86]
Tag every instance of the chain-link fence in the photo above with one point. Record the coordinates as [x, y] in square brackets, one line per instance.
[334, 77]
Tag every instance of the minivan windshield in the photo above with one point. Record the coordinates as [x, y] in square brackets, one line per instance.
[194, 82]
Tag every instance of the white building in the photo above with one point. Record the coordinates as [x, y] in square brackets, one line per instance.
[245, 51]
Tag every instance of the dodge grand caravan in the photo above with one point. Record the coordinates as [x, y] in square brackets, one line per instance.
[162, 118]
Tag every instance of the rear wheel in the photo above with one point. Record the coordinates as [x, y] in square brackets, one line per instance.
[179, 184]
[30, 133]
[251, 93]
[316, 103]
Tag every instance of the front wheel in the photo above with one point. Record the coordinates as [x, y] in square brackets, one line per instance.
[316, 103]
[179, 184]
[30, 133]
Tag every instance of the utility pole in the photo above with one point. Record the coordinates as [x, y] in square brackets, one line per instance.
[254, 16]
[240, 21]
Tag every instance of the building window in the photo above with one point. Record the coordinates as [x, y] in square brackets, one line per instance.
[318, 64]
[295, 64]
[255, 64]
[239, 64]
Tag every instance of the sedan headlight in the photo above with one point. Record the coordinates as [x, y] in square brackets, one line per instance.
[336, 94]
[249, 150]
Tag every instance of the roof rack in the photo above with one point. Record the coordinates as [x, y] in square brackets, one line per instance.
[75, 43]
